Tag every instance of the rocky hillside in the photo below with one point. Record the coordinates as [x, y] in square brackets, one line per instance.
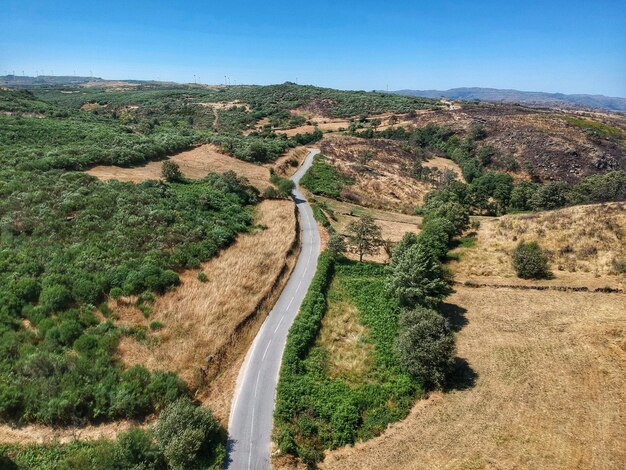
[543, 144]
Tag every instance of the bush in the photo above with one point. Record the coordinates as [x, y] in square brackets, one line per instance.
[336, 245]
[530, 262]
[188, 435]
[425, 346]
[170, 171]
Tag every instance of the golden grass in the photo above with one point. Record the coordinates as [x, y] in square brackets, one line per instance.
[393, 224]
[549, 390]
[350, 356]
[195, 163]
[39, 434]
[204, 323]
[585, 245]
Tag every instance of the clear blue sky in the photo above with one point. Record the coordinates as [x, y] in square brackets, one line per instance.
[566, 46]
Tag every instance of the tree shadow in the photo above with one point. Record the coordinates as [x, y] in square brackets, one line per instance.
[455, 316]
[297, 200]
[461, 377]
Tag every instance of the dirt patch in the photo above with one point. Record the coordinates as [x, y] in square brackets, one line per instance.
[194, 164]
[586, 246]
[207, 326]
[540, 384]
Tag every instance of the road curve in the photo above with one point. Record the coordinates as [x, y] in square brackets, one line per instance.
[250, 426]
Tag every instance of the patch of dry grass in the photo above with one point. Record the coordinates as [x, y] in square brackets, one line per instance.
[195, 163]
[586, 245]
[549, 370]
[343, 337]
[206, 323]
[382, 181]
[393, 224]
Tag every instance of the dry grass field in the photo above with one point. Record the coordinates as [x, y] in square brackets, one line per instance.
[586, 246]
[393, 225]
[384, 180]
[543, 388]
[207, 326]
[195, 163]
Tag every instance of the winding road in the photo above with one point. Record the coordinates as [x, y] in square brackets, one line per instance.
[250, 426]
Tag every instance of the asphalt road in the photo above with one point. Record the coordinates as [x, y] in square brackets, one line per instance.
[250, 426]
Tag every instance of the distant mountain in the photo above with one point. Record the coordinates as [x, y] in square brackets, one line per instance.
[527, 97]
[20, 80]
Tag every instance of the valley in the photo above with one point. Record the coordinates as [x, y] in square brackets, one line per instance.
[154, 237]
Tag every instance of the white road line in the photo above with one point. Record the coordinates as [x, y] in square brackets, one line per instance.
[256, 384]
[266, 348]
[277, 326]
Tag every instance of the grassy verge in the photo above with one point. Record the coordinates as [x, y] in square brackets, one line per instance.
[316, 407]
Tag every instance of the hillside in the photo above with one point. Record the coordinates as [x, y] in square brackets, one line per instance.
[538, 98]
[148, 229]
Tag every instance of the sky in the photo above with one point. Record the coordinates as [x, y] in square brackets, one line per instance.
[554, 46]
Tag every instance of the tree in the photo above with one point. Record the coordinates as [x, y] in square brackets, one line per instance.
[417, 277]
[530, 262]
[364, 236]
[425, 346]
[452, 211]
[170, 171]
[186, 433]
[553, 195]
[336, 245]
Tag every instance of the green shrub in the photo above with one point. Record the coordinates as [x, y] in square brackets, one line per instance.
[530, 262]
[170, 171]
[188, 436]
[425, 345]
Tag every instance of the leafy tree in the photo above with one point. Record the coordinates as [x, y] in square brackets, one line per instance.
[425, 345]
[530, 262]
[364, 236]
[417, 277]
[170, 171]
[452, 211]
[522, 195]
[336, 245]
[553, 195]
[187, 435]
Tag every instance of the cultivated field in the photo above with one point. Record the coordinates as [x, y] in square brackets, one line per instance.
[195, 163]
[541, 386]
[586, 246]
[208, 325]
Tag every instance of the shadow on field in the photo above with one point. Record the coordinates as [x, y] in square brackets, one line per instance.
[462, 376]
[455, 316]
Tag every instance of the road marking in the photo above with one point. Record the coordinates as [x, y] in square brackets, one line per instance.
[256, 385]
[277, 326]
[266, 348]
[251, 434]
